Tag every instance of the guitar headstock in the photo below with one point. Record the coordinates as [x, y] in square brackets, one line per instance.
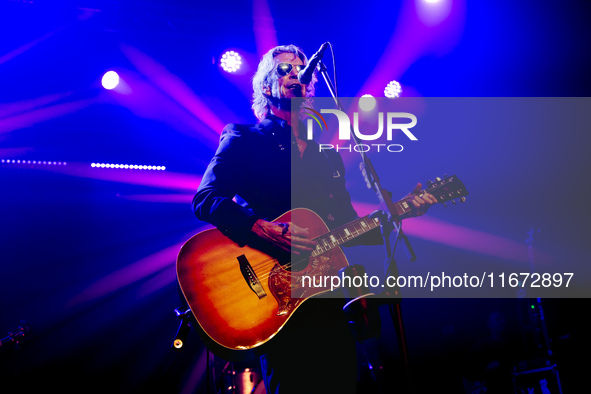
[450, 188]
[16, 338]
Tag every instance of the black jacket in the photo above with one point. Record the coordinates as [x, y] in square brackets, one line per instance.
[261, 166]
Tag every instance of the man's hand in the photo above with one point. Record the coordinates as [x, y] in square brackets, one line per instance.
[422, 203]
[286, 236]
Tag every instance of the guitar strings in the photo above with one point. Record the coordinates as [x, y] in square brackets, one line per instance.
[264, 264]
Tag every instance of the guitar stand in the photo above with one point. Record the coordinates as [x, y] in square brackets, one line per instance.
[361, 311]
[392, 296]
[184, 313]
[389, 222]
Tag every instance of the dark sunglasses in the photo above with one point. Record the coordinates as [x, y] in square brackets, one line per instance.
[285, 68]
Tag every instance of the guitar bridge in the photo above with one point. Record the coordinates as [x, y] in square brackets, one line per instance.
[250, 277]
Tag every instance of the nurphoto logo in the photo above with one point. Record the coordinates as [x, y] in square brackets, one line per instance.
[393, 122]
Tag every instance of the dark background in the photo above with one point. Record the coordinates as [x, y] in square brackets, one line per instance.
[88, 254]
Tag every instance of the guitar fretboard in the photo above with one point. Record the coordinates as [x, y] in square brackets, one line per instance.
[343, 234]
[442, 190]
[357, 227]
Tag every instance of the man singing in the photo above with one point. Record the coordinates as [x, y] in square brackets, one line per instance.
[260, 172]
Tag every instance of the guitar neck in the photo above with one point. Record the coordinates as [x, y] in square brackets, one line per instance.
[343, 234]
[354, 229]
[443, 190]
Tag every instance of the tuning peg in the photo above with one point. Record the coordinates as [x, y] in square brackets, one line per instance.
[463, 199]
[437, 179]
[429, 183]
[453, 201]
[445, 205]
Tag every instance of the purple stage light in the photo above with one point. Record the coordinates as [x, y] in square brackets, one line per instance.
[175, 198]
[26, 114]
[440, 231]
[135, 272]
[265, 35]
[434, 12]
[165, 97]
[110, 80]
[231, 61]
[422, 29]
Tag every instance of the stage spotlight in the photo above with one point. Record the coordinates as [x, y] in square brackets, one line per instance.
[393, 90]
[433, 12]
[367, 102]
[110, 80]
[231, 61]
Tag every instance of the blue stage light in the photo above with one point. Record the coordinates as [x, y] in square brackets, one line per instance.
[231, 61]
[367, 102]
[110, 80]
[393, 90]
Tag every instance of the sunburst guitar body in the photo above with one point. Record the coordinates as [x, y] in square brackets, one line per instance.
[241, 296]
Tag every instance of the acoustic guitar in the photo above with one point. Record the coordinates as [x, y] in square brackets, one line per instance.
[242, 296]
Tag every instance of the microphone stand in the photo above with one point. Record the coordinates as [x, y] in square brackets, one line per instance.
[389, 222]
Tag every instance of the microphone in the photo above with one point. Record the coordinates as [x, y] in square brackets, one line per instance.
[305, 76]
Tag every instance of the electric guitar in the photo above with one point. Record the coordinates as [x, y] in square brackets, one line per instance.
[242, 296]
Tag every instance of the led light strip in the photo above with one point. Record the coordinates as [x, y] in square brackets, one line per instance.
[35, 162]
[128, 166]
[93, 165]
